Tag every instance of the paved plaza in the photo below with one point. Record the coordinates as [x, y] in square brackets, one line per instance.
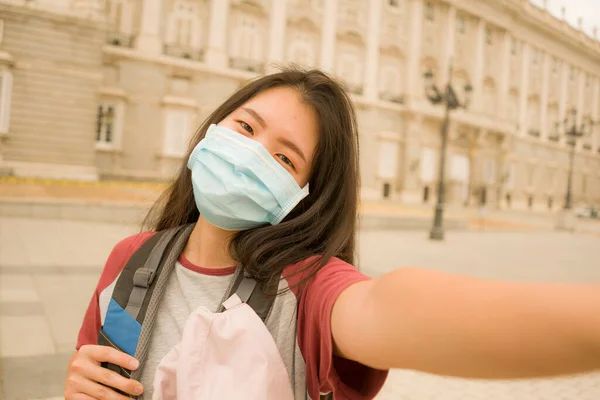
[48, 269]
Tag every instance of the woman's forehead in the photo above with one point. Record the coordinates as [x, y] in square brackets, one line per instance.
[283, 108]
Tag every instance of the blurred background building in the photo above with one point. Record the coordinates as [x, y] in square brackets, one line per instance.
[113, 89]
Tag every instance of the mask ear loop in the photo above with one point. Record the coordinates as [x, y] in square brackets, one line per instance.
[290, 205]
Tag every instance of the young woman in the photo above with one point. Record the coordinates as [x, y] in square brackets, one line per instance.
[271, 182]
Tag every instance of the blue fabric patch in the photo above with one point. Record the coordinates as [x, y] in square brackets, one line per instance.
[121, 328]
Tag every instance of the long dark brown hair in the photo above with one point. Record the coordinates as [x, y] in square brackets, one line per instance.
[324, 223]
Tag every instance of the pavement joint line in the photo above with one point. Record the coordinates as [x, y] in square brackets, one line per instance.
[21, 309]
[67, 182]
[50, 270]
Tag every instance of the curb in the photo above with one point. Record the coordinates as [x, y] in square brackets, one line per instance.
[75, 209]
[67, 182]
[134, 213]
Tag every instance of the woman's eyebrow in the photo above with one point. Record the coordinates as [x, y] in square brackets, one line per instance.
[256, 116]
[287, 143]
[292, 146]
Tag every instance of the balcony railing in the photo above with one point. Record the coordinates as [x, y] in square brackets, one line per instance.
[246, 65]
[587, 146]
[553, 138]
[534, 133]
[188, 53]
[354, 88]
[393, 97]
[119, 39]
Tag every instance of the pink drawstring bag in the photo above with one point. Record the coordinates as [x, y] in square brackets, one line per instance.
[227, 355]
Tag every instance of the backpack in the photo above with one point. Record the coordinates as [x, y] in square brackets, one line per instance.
[132, 312]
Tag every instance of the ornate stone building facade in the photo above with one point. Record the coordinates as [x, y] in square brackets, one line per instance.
[127, 82]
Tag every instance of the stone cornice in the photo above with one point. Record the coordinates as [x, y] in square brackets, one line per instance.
[511, 14]
[58, 14]
[6, 59]
[561, 30]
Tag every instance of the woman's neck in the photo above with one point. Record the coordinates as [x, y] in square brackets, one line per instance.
[208, 246]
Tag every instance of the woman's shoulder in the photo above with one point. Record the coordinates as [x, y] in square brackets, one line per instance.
[131, 244]
[335, 274]
[126, 247]
[119, 256]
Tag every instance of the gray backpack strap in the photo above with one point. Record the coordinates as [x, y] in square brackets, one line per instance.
[144, 276]
[251, 293]
[142, 279]
[178, 242]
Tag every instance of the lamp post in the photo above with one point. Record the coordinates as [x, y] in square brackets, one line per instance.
[448, 97]
[572, 132]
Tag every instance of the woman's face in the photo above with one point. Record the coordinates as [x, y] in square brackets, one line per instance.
[284, 124]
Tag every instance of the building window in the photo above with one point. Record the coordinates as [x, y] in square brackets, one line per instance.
[489, 98]
[531, 176]
[120, 16]
[489, 36]
[429, 11]
[588, 80]
[513, 108]
[349, 12]
[247, 44]
[428, 165]
[183, 37]
[511, 175]
[388, 160]
[108, 124]
[572, 73]
[301, 50]
[554, 65]
[514, 47]
[349, 69]
[534, 56]
[394, 4]
[490, 170]
[460, 24]
[390, 88]
[6, 80]
[533, 114]
[177, 132]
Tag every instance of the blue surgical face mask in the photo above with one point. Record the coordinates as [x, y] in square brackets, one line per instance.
[237, 184]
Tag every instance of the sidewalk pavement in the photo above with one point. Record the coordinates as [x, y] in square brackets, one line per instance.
[49, 268]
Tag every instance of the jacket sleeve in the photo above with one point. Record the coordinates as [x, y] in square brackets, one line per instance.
[325, 372]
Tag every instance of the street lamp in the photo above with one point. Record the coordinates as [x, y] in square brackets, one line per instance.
[573, 133]
[449, 98]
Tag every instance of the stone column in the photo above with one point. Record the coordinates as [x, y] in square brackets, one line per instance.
[414, 82]
[149, 40]
[474, 170]
[478, 67]
[596, 115]
[562, 101]
[579, 105]
[278, 24]
[372, 62]
[524, 90]
[448, 52]
[505, 75]
[328, 34]
[216, 52]
[411, 189]
[544, 97]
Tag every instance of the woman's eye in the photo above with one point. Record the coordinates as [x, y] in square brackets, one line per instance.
[286, 160]
[246, 127]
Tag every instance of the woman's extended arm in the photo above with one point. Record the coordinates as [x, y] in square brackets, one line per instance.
[467, 327]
